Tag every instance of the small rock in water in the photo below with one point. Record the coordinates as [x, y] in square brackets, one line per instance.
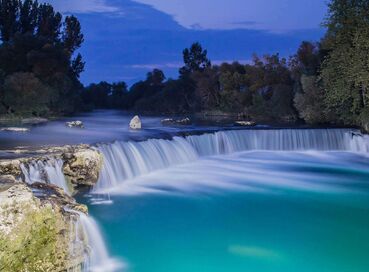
[75, 124]
[135, 123]
[34, 121]
[170, 121]
[245, 123]
[15, 129]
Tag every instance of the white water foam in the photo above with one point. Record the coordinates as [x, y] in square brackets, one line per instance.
[126, 160]
[47, 171]
[97, 259]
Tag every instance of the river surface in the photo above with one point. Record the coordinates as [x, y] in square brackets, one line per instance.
[99, 126]
[247, 200]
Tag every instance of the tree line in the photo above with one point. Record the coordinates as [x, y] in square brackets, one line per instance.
[39, 69]
[324, 82]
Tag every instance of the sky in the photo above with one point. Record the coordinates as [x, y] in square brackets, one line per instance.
[125, 39]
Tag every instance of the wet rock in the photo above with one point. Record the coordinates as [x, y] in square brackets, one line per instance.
[245, 123]
[52, 194]
[82, 166]
[174, 122]
[75, 124]
[34, 121]
[29, 216]
[15, 129]
[135, 123]
[10, 167]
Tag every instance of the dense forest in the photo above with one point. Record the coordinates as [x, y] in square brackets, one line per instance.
[325, 82]
[39, 69]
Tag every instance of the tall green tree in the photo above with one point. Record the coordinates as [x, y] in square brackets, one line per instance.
[9, 12]
[72, 35]
[49, 23]
[195, 59]
[344, 71]
[28, 16]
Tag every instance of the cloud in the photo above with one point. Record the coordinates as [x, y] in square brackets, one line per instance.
[270, 15]
[83, 6]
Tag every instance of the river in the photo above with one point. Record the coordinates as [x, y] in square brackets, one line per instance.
[235, 200]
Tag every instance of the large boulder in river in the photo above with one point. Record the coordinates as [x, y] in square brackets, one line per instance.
[135, 123]
[75, 124]
[82, 166]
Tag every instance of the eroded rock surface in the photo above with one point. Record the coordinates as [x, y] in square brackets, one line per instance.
[37, 231]
[82, 166]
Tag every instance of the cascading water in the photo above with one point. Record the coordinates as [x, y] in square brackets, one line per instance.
[97, 258]
[125, 160]
[49, 171]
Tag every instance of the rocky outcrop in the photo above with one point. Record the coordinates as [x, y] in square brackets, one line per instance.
[39, 230]
[82, 166]
[10, 167]
[75, 124]
[135, 123]
[40, 226]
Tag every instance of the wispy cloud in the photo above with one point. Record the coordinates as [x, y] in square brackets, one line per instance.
[269, 15]
[83, 6]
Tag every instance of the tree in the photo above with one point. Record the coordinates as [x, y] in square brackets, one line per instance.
[207, 88]
[195, 59]
[28, 16]
[78, 66]
[72, 35]
[9, 12]
[49, 23]
[310, 102]
[25, 94]
[155, 78]
[344, 70]
[118, 93]
[36, 46]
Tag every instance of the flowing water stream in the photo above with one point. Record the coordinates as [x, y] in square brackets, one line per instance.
[243, 200]
[252, 200]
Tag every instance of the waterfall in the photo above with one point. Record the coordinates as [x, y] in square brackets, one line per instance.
[97, 259]
[46, 171]
[126, 160]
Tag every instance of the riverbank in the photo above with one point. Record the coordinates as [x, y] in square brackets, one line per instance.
[34, 201]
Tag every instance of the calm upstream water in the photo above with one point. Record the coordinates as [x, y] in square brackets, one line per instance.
[236, 200]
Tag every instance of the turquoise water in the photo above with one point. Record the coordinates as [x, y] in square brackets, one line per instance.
[250, 211]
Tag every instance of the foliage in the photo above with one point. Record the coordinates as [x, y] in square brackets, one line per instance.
[345, 70]
[310, 102]
[38, 47]
[35, 244]
[26, 94]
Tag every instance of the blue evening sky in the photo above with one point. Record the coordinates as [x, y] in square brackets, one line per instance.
[127, 38]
